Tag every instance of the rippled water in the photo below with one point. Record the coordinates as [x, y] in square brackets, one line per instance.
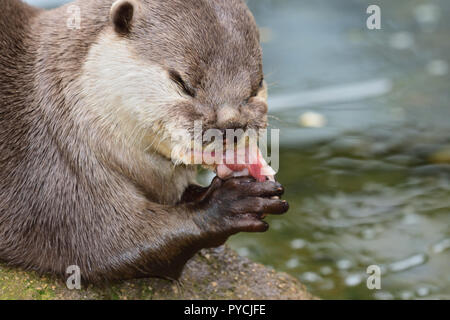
[365, 133]
[348, 213]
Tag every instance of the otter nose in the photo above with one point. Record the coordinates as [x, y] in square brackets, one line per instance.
[229, 118]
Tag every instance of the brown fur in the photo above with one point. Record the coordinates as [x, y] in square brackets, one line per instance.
[70, 193]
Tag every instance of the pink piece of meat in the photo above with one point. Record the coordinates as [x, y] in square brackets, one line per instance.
[245, 163]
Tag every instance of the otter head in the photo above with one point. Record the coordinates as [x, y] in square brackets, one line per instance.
[160, 66]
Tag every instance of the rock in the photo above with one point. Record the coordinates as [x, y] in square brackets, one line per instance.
[212, 274]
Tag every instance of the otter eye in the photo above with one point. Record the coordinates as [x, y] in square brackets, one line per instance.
[176, 77]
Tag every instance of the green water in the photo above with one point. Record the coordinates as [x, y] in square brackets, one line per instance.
[371, 185]
[348, 213]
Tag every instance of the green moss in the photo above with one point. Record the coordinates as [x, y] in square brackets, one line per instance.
[213, 274]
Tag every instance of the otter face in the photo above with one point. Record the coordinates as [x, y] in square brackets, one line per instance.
[160, 66]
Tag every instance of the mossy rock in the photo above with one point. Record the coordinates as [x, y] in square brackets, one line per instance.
[212, 274]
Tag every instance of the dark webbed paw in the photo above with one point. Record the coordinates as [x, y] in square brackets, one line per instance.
[237, 205]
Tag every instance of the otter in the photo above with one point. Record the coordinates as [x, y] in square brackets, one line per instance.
[86, 173]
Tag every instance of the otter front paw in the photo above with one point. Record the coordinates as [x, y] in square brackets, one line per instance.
[237, 205]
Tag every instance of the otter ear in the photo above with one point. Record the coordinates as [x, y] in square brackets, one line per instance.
[122, 13]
